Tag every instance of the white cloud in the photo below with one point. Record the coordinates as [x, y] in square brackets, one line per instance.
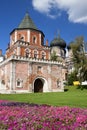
[46, 7]
[76, 9]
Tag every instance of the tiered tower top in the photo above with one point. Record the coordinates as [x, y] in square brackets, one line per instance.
[27, 23]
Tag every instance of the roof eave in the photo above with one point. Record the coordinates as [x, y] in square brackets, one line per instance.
[27, 29]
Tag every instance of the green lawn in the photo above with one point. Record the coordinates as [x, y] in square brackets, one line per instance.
[74, 98]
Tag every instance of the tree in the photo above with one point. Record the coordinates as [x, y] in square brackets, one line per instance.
[79, 58]
[54, 56]
[72, 77]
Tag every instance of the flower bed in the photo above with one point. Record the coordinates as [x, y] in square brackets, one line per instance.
[23, 116]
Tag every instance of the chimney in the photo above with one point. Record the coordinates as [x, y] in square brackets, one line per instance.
[0, 52]
[46, 42]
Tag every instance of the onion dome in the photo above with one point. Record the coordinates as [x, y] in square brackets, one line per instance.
[58, 42]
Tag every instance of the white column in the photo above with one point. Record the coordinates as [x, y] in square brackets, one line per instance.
[15, 36]
[49, 84]
[18, 50]
[28, 35]
[12, 76]
[40, 38]
[29, 74]
[62, 85]
[49, 79]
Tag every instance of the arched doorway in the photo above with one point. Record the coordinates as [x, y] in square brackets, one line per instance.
[38, 85]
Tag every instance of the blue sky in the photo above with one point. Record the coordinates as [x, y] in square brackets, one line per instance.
[67, 16]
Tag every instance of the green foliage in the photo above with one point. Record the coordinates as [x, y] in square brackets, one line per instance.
[82, 87]
[54, 56]
[79, 58]
[72, 77]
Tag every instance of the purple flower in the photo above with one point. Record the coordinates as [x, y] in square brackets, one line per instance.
[24, 116]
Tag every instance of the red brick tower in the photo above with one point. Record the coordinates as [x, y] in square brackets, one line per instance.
[27, 40]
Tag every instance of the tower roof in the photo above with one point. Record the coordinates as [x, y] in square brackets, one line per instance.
[27, 23]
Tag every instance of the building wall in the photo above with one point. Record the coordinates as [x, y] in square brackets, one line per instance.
[19, 76]
[5, 76]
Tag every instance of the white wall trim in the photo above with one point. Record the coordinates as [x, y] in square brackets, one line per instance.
[28, 36]
[15, 35]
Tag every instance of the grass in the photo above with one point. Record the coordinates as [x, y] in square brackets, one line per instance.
[73, 98]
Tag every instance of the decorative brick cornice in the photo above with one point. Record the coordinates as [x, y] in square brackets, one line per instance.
[20, 58]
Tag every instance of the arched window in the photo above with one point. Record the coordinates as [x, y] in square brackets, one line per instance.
[34, 39]
[27, 52]
[35, 54]
[43, 55]
[22, 38]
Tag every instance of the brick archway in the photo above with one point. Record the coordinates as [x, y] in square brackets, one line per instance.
[38, 85]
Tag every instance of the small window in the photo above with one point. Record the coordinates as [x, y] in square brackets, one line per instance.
[35, 54]
[39, 68]
[27, 52]
[19, 83]
[34, 39]
[66, 76]
[3, 82]
[22, 38]
[43, 55]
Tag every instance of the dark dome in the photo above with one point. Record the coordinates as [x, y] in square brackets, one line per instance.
[58, 42]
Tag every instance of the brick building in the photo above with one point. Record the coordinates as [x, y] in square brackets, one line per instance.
[27, 65]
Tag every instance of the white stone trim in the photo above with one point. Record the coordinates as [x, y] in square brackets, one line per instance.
[15, 35]
[12, 76]
[20, 58]
[50, 84]
[28, 36]
[18, 50]
[40, 38]
[58, 90]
